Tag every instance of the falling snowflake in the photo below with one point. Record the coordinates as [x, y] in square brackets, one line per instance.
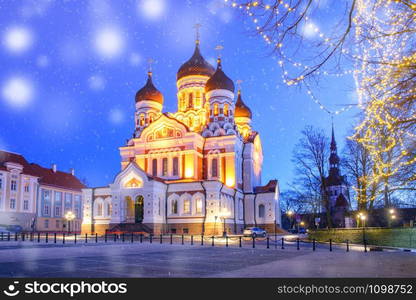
[18, 92]
[18, 39]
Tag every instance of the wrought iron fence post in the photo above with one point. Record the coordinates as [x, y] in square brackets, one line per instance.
[161, 238]
[239, 242]
[330, 244]
[105, 237]
[365, 245]
[132, 237]
[226, 241]
[283, 243]
[254, 242]
[122, 237]
[192, 240]
[86, 238]
[182, 240]
[54, 237]
[212, 241]
[63, 238]
[141, 237]
[313, 245]
[268, 243]
[151, 238]
[171, 238]
[348, 246]
[297, 244]
[15, 236]
[202, 240]
[75, 237]
[38, 237]
[46, 237]
[96, 237]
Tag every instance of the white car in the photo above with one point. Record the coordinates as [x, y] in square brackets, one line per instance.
[254, 232]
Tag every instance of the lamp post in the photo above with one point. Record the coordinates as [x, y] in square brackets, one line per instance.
[224, 215]
[69, 216]
[290, 214]
[362, 217]
[391, 217]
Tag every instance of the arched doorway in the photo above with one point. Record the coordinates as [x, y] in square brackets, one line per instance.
[138, 209]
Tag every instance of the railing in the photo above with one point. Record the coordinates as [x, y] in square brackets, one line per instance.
[267, 242]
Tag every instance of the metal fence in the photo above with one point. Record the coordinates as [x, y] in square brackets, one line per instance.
[268, 242]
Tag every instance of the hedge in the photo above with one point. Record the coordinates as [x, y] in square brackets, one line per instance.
[394, 237]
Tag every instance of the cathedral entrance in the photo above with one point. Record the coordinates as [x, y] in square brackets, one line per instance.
[138, 209]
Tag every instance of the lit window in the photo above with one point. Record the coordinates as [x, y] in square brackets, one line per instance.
[187, 206]
[12, 203]
[133, 183]
[175, 166]
[214, 167]
[261, 211]
[198, 206]
[215, 109]
[191, 100]
[165, 166]
[151, 118]
[226, 111]
[154, 167]
[141, 120]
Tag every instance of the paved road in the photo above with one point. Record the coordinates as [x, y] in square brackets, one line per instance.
[28, 259]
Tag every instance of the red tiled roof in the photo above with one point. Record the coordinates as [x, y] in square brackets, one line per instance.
[270, 187]
[46, 176]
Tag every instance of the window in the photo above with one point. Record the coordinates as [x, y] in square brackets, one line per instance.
[58, 224]
[12, 203]
[46, 210]
[151, 118]
[261, 211]
[57, 211]
[175, 166]
[26, 187]
[109, 209]
[154, 167]
[46, 223]
[174, 206]
[13, 185]
[187, 206]
[100, 209]
[1, 183]
[26, 205]
[215, 109]
[226, 111]
[141, 122]
[77, 215]
[191, 100]
[185, 231]
[165, 166]
[198, 206]
[214, 167]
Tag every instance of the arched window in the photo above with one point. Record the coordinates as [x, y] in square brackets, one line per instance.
[109, 209]
[154, 167]
[99, 209]
[261, 211]
[151, 118]
[215, 109]
[174, 207]
[198, 206]
[214, 167]
[191, 100]
[141, 120]
[226, 111]
[165, 166]
[187, 206]
[175, 167]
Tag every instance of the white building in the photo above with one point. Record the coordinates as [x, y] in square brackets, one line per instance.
[36, 198]
[197, 170]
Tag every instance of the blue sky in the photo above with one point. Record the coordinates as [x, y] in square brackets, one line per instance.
[70, 70]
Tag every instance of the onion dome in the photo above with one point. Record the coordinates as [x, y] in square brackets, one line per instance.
[196, 65]
[149, 91]
[219, 81]
[241, 110]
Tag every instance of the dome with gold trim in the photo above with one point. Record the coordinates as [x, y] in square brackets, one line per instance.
[219, 81]
[149, 92]
[241, 109]
[196, 65]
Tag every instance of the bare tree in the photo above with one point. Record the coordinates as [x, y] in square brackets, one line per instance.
[310, 158]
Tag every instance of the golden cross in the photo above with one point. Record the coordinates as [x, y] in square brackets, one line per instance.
[197, 26]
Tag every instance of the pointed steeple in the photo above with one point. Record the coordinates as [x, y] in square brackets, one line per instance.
[333, 158]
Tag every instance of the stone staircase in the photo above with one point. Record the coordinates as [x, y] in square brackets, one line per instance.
[130, 227]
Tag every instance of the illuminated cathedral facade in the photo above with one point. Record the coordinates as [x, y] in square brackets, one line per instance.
[194, 171]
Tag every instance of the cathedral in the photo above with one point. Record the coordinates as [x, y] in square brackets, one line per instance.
[193, 171]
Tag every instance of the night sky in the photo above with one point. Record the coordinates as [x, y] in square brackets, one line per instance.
[70, 70]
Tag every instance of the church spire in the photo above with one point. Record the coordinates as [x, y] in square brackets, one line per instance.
[333, 158]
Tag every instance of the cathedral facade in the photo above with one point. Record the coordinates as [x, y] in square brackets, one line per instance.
[193, 171]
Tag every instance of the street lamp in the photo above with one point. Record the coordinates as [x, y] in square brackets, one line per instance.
[391, 217]
[69, 216]
[290, 214]
[362, 217]
[224, 215]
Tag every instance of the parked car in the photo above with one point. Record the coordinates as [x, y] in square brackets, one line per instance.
[254, 232]
[14, 228]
